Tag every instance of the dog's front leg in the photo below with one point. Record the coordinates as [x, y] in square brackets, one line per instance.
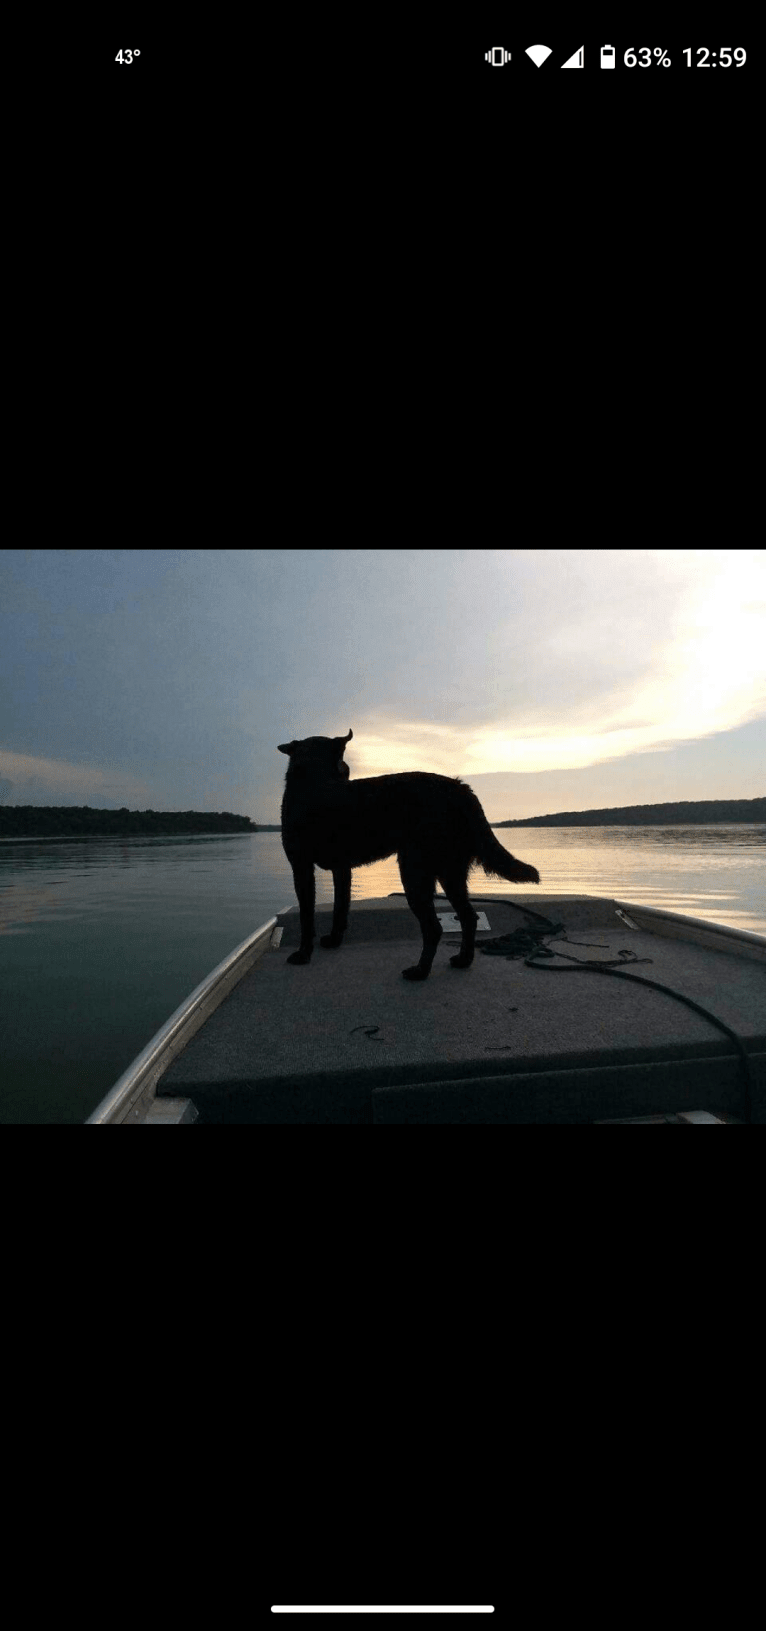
[303, 878]
[341, 877]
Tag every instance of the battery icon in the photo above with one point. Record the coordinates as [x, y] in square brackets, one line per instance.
[607, 56]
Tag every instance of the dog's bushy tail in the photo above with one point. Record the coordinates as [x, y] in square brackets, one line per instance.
[488, 853]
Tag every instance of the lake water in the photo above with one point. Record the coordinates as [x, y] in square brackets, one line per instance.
[100, 939]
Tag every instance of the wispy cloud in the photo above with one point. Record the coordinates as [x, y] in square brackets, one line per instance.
[29, 780]
[631, 669]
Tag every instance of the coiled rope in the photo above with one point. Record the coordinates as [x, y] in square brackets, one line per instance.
[527, 942]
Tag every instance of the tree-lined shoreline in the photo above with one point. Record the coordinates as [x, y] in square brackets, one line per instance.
[79, 820]
[692, 812]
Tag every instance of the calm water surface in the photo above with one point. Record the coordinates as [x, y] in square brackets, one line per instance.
[100, 938]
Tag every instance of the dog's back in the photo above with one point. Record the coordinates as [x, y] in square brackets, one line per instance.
[435, 826]
[362, 821]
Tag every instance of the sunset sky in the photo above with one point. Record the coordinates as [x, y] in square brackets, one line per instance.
[549, 680]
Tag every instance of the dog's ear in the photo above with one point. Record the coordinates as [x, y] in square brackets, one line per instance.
[285, 747]
[341, 743]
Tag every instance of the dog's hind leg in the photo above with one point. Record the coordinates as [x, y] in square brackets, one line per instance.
[419, 890]
[453, 883]
[341, 877]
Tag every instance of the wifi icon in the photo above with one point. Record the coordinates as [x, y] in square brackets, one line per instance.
[538, 53]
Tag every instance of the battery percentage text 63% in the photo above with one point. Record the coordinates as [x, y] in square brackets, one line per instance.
[646, 54]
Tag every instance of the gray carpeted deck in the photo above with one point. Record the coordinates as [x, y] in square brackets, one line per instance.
[344, 1039]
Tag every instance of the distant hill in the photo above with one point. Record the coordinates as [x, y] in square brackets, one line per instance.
[695, 812]
[76, 820]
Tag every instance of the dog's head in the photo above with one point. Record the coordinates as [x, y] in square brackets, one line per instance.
[318, 755]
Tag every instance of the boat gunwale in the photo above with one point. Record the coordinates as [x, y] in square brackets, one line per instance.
[139, 1081]
[724, 931]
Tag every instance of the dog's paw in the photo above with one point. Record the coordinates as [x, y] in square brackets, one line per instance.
[300, 957]
[330, 941]
[460, 961]
[416, 973]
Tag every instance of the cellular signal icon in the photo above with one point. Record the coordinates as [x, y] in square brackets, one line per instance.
[498, 56]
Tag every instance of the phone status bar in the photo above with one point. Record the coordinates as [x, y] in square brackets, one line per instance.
[609, 57]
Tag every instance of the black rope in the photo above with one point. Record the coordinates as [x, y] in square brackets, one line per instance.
[527, 942]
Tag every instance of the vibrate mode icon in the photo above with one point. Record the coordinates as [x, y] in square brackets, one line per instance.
[498, 56]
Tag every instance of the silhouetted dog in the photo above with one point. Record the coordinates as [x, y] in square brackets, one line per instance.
[435, 824]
